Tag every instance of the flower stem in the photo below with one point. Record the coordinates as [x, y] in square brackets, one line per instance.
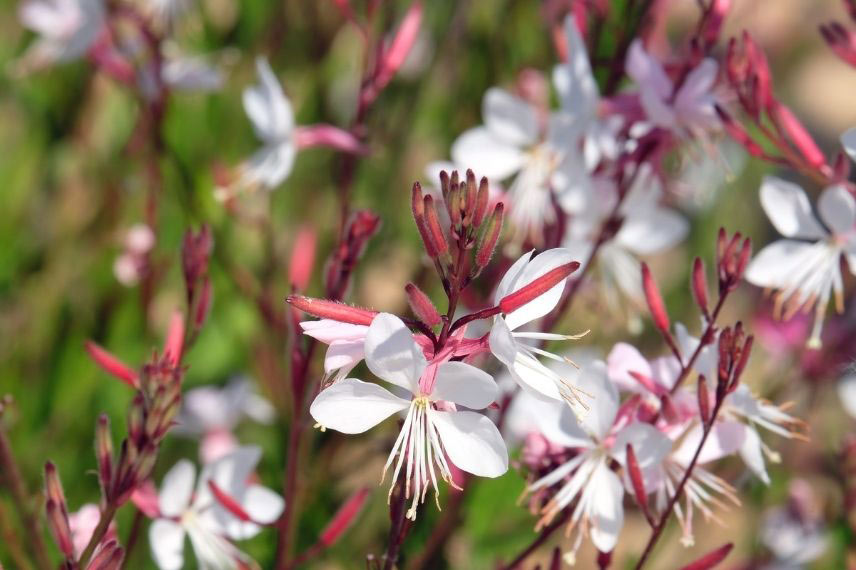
[539, 540]
[107, 515]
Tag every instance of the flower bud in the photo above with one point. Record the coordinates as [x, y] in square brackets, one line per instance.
[302, 258]
[324, 309]
[108, 556]
[638, 483]
[57, 511]
[203, 305]
[417, 206]
[422, 306]
[470, 198]
[537, 287]
[703, 400]
[137, 419]
[787, 121]
[667, 407]
[432, 222]
[699, 285]
[112, 365]
[739, 134]
[711, 559]
[343, 518]
[174, 342]
[393, 57]
[489, 236]
[655, 300]
[104, 452]
[228, 502]
[482, 200]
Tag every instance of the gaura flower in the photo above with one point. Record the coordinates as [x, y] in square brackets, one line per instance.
[434, 426]
[509, 344]
[598, 439]
[804, 269]
[204, 518]
[212, 413]
[542, 158]
[66, 29]
[687, 109]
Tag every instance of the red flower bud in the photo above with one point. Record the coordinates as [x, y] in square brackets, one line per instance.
[489, 237]
[482, 202]
[655, 300]
[229, 502]
[536, 288]
[302, 258]
[638, 483]
[703, 399]
[798, 135]
[432, 222]
[104, 452]
[57, 511]
[699, 285]
[334, 310]
[422, 306]
[343, 518]
[112, 365]
[174, 342]
[710, 559]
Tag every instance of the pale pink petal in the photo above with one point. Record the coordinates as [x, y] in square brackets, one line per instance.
[621, 361]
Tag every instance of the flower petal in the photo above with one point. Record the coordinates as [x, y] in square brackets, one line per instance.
[574, 80]
[508, 283]
[621, 361]
[848, 141]
[752, 454]
[526, 371]
[392, 354]
[481, 150]
[353, 406]
[167, 541]
[267, 107]
[847, 393]
[269, 166]
[555, 421]
[472, 442]
[837, 209]
[774, 265]
[465, 385]
[789, 210]
[543, 304]
[607, 511]
[510, 118]
[262, 504]
[176, 488]
[725, 438]
[656, 230]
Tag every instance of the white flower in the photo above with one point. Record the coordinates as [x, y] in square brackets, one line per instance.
[587, 477]
[272, 117]
[66, 28]
[847, 393]
[804, 269]
[544, 161]
[208, 523]
[213, 413]
[580, 97]
[509, 345]
[688, 110]
[191, 74]
[429, 433]
[648, 228]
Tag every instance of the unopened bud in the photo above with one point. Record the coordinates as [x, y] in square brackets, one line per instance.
[711, 559]
[655, 300]
[174, 343]
[667, 407]
[333, 310]
[422, 306]
[471, 197]
[203, 305]
[144, 466]
[137, 419]
[444, 184]
[108, 556]
[482, 200]
[703, 400]
[112, 365]
[417, 206]
[537, 287]
[57, 511]
[739, 134]
[489, 237]
[104, 452]
[343, 518]
[433, 224]
[228, 502]
[302, 258]
[745, 352]
[638, 482]
[798, 135]
[699, 285]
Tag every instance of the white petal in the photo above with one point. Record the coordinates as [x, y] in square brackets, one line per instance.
[647, 71]
[392, 354]
[555, 421]
[176, 488]
[654, 231]
[510, 118]
[773, 266]
[603, 403]
[269, 166]
[848, 141]
[167, 541]
[623, 359]
[789, 210]
[753, 455]
[650, 445]
[847, 393]
[607, 494]
[262, 504]
[472, 442]
[509, 280]
[726, 438]
[267, 107]
[344, 355]
[353, 406]
[543, 304]
[837, 209]
[526, 371]
[487, 155]
[465, 385]
[574, 80]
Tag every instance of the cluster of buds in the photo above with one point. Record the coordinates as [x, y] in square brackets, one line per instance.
[749, 76]
[361, 226]
[151, 414]
[734, 350]
[839, 39]
[463, 245]
[732, 257]
[195, 254]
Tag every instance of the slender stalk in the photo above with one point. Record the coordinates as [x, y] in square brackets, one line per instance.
[539, 540]
[711, 325]
[667, 512]
[107, 515]
[133, 535]
[15, 482]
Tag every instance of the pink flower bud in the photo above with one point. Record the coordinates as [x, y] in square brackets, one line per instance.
[432, 222]
[638, 483]
[174, 339]
[203, 305]
[400, 47]
[104, 452]
[343, 518]
[699, 285]
[489, 236]
[108, 556]
[336, 311]
[739, 134]
[302, 258]
[798, 135]
[328, 136]
[422, 306]
[482, 200]
[112, 365]
[703, 399]
[710, 559]
[645, 381]
[655, 300]
[538, 287]
[57, 511]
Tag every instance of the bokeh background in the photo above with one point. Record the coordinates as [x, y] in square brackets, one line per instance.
[71, 186]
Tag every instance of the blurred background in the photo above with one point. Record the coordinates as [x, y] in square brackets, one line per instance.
[73, 185]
